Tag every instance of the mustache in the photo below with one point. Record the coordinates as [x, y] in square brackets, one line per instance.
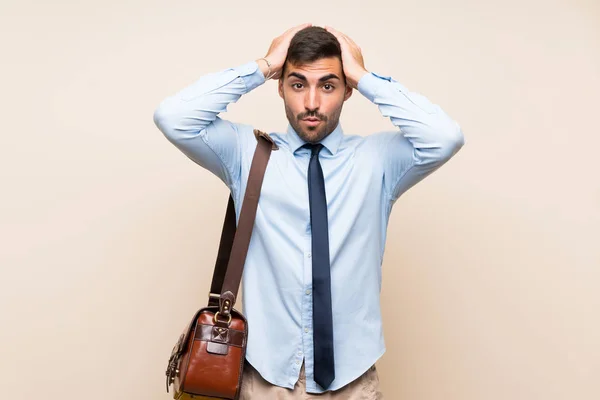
[312, 115]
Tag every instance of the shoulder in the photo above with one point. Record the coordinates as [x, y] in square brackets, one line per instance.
[374, 141]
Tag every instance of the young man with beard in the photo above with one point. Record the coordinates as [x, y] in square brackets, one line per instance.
[312, 276]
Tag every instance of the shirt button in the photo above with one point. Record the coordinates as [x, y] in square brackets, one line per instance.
[298, 362]
[306, 330]
[307, 291]
[309, 255]
[299, 353]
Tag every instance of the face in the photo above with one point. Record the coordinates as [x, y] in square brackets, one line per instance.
[313, 95]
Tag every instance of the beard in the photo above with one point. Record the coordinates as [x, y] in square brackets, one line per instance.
[313, 134]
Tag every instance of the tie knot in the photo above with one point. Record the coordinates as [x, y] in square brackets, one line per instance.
[314, 148]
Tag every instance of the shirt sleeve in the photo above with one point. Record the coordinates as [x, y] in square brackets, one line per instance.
[189, 120]
[426, 137]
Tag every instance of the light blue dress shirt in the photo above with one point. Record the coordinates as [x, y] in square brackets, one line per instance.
[363, 178]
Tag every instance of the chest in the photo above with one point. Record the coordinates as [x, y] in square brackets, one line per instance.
[353, 187]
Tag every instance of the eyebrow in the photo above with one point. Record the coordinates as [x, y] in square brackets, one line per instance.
[322, 79]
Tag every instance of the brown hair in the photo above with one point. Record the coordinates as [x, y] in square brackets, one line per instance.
[311, 44]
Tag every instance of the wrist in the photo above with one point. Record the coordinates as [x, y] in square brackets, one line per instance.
[264, 67]
[355, 77]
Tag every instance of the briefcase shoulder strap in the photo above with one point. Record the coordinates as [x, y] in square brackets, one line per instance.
[235, 242]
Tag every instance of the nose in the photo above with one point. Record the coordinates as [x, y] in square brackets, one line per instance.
[311, 100]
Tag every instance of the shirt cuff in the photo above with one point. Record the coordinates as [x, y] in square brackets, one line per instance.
[251, 75]
[370, 84]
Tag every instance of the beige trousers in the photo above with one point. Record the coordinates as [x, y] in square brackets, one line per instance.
[255, 387]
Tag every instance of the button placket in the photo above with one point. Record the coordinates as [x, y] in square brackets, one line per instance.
[306, 301]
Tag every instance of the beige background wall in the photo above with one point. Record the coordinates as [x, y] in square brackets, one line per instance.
[109, 234]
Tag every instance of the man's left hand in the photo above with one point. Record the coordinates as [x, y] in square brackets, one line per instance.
[352, 59]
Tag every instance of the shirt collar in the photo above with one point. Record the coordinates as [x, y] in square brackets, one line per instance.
[331, 142]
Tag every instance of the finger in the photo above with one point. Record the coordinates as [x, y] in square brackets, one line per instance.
[297, 28]
[302, 26]
[337, 33]
[347, 38]
[351, 42]
[292, 31]
[343, 39]
[334, 33]
[331, 30]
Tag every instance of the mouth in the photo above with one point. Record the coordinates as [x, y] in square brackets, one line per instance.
[311, 121]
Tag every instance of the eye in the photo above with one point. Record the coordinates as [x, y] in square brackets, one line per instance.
[329, 87]
[297, 83]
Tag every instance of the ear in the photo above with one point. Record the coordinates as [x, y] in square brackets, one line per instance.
[280, 87]
[348, 93]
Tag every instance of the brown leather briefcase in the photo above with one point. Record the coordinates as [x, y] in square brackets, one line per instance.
[208, 359]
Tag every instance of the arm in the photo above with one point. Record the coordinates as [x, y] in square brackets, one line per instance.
[426, 138]
[190, 118]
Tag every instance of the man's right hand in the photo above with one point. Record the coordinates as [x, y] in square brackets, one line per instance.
[278, 52]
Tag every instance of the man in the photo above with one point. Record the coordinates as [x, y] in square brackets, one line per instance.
[312, 276]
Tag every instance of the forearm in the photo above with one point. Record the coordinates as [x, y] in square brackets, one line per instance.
[193, 108]
[190, 120]
[434, 136]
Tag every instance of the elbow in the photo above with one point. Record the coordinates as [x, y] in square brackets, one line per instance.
[452, 139]
[164, 120]
[177, 121]
[447, 139]
[160, 117]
